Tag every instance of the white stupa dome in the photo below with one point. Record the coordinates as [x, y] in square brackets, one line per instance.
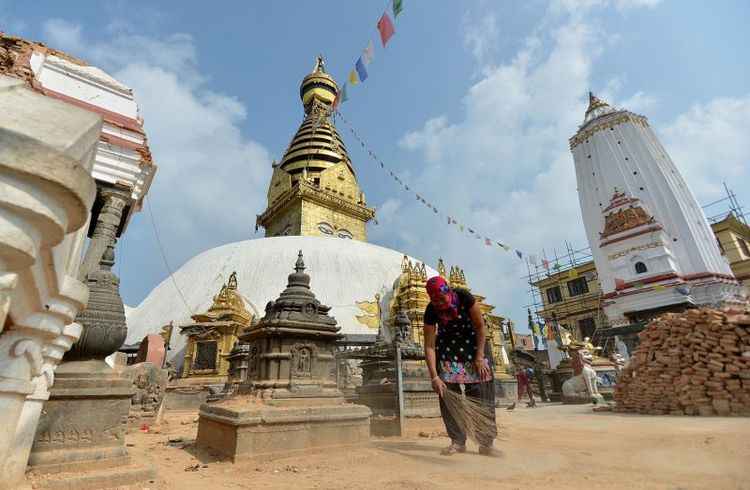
[342, 273]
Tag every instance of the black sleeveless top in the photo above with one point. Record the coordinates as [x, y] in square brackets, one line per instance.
[457, 340]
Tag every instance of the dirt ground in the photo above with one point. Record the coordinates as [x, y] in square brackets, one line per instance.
[551, 446]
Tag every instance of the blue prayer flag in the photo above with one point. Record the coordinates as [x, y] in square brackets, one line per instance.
[361, 70]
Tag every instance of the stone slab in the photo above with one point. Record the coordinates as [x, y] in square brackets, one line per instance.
[506, 391]
[267, 432]
[96, 480]
[184, 399]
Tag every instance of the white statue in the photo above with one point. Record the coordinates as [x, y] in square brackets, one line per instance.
[582, 386]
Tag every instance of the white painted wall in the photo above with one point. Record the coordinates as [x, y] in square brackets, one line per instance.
[626, 154]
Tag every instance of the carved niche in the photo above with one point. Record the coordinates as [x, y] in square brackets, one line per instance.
[252, 361]
[303, 357]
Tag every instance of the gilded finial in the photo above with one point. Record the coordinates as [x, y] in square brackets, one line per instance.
[595, 103]
[320, 65]
[441, 267]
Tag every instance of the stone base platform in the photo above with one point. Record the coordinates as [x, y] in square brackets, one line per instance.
[81, 431]
[99, 477]
[185, 398]
[244, 428]
[506, 390]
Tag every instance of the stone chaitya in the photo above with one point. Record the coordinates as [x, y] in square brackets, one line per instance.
[379, 390]
[290, 386]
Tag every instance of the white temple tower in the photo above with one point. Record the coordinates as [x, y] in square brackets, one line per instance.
[652, 245]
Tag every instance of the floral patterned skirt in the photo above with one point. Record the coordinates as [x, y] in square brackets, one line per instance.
[462, 372]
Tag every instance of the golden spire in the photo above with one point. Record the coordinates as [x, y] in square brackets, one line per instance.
[316, 169]
[227, 304]
[441, 267]
[457, 278]
[597, 107]
[318, 86]
[317, 144]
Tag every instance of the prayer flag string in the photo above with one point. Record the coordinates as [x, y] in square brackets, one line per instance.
[450, 219]
[386, 30]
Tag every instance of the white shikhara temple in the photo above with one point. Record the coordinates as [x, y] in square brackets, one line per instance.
[650, 240]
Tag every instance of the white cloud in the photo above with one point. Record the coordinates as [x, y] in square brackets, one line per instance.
[581, 6]
[210, 177]
[504, 168]
[481, 37]
[710, 144]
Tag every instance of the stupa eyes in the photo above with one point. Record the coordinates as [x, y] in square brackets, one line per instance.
[345, 234]
[325, 228]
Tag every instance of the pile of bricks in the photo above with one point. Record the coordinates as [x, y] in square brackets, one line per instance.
[691, 363]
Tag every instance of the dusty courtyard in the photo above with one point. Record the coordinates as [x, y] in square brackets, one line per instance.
[551, 446]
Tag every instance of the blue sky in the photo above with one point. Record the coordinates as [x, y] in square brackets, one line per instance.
[472, 103]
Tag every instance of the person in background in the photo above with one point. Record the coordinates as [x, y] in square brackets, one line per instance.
[529, 386]
[522, 382]
[456, 347]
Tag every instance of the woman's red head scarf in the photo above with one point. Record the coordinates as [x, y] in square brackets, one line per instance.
[443, 299]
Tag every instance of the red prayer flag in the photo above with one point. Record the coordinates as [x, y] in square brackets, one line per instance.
[385, 26]
[619, 283]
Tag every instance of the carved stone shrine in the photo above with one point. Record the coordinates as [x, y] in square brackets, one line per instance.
[289, 402]
[379, 390]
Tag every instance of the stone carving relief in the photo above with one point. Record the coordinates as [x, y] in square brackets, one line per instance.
[7, 285]
[639, 248]
[624, 220]
[149, 383]
[302, 360]
[32, 352]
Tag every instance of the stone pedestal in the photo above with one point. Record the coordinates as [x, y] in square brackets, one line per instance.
[506, 390]
[378, 390]
[183, 396]
[81, 433]
[82, 428]
[264, 432]
[84, 421]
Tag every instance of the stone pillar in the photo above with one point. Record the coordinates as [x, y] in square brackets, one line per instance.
[105, 229]
[46, 193]
[84, 422]
[35, 401]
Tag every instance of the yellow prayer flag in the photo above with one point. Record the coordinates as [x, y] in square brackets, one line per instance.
[659, 287]
[353, 78]
[572, 273]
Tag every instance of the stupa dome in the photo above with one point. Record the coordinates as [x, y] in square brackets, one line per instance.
[342, 273]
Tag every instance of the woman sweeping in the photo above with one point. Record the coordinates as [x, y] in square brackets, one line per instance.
[456, 353]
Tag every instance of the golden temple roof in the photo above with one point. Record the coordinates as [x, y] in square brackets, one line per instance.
[228, 305]
[317, 144]
[597, 107]
[595, 103]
